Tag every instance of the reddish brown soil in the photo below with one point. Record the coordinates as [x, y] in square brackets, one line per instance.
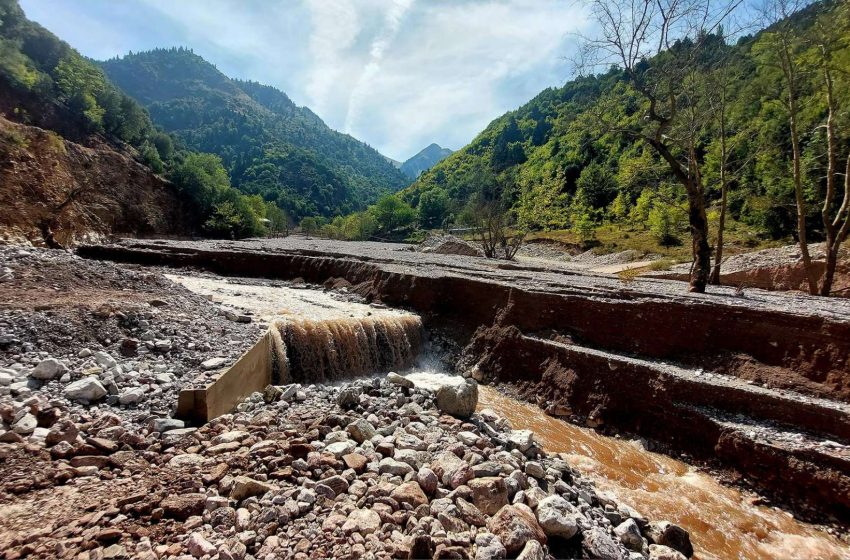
[59, 193]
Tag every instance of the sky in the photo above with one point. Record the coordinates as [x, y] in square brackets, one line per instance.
[397, 74]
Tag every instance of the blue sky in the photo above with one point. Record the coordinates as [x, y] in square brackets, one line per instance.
[398, 74]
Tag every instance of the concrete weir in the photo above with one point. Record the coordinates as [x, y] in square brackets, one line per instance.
[757, 383]
[306, 350]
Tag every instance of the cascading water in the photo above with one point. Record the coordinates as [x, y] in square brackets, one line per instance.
[317, 351]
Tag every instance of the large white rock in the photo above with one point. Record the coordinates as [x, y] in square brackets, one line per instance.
[104, 360]
[86, 389]
[558, 517]
[132, 396]
[213, 363]
[51, 368]
[458, 400]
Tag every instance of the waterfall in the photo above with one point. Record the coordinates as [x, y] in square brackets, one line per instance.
[310, 351]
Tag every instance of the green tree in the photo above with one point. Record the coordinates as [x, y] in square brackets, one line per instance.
[433, 208]
[392, 213]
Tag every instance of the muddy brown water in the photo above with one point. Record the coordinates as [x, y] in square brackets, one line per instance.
[721, 520]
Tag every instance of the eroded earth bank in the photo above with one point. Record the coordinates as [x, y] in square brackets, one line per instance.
[94, 355]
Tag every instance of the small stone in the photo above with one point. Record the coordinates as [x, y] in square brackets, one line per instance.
[558, 517]
[391, 466]
[163, 425]
[355, 461]
[132, 396]
[183, 506]
[25, 425]
[521, 439]
[596, 543]
[535, 469]
[427, 480]
[489, 547]
[348, 397]
[340, 448]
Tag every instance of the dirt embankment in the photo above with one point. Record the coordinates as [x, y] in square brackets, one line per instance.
[777, 269]
[60, 193]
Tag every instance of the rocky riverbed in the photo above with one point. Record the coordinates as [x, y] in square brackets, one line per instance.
[92, 356]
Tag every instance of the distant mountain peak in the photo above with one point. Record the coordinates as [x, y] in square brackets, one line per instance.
[427, 158]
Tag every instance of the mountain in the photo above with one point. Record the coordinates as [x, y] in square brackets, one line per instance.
[560, 155]
[424, 160]
[269, 145]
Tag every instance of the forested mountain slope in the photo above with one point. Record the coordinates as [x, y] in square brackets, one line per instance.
[563, 161]
[270, 146]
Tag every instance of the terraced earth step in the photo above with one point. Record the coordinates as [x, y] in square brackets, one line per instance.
[684, 386]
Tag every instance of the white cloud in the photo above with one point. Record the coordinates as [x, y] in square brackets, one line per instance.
[387, 34]
[397, 74]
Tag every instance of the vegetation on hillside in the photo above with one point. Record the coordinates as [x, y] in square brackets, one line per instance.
[577, 157]
[45, 82]
[270, 146]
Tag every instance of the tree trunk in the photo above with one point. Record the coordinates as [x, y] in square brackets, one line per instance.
[831, 247]
[718, 252]
[788, 69]
[699, 238]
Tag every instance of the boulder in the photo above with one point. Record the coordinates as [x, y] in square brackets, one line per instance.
[86, 389]
[363, 521]
[183, 506]
[51, 368]
[399, 380]
[489, 547]
[213, 363]
[361, 430]
[515, 526]
[458, 400]
[629, 534]
[409, 493]
[532, 550]
[558, 517]
[245, 487]
[596, 543]
[668, 534]
[661, 552]
[489, 494]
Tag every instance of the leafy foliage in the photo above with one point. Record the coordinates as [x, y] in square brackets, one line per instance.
[578, 139]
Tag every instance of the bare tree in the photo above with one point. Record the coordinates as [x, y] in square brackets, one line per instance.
[494, 227]
[837, 226]
[788, 52]
[784, 42]
[658, 44]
